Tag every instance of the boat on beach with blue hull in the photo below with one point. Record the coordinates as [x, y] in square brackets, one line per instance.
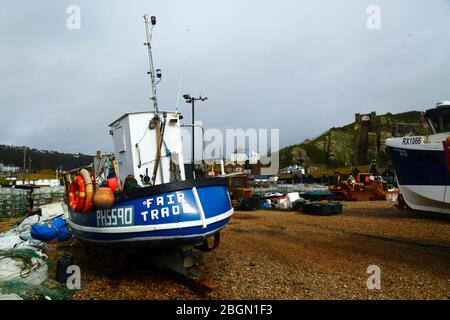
[182, 213]
[422, 163]
[137, 198]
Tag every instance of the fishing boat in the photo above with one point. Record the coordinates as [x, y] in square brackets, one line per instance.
[138, 196]
[422, 163]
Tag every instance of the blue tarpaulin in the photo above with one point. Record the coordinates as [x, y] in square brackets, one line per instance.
[56, 229]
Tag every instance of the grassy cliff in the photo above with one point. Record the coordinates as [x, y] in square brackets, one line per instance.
[338, 147]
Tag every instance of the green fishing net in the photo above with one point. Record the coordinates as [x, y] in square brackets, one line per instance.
[48, 290]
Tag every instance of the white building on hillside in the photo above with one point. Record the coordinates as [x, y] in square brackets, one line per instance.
[9, 168]
[292, 169]
[241, 156]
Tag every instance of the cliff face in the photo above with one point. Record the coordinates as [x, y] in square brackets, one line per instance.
[357, 143]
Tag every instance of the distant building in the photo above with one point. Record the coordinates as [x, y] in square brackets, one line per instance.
[245, 161]
[365, 123]
[9, 168]
[262, 179]
[41, 182]
[292, 169]
[242, 156]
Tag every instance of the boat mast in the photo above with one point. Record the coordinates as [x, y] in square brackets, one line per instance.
[151, 72]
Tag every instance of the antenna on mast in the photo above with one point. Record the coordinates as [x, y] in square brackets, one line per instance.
[153, 76]
[151, 72]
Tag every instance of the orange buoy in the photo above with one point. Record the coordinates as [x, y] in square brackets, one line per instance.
[77, 194]
[104, 198]
[112, 183]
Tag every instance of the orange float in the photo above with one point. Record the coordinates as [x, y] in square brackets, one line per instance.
[104, 198]
[77, 193]
[81, 192]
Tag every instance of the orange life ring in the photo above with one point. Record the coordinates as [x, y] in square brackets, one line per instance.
[77, 194]
[89, 190]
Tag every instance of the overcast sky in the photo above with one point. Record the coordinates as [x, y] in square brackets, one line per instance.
[300, 66]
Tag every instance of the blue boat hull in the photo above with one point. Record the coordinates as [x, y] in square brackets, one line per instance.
[423, 178]
[420, 167]
[165, 215]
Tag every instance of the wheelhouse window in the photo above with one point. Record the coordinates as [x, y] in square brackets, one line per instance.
[440, 121]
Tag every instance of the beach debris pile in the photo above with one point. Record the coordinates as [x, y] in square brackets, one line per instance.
[323, 207]
[315, 202]
[24, 260]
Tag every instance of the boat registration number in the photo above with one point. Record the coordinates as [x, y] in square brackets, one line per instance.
[412, 140]
[116, 217]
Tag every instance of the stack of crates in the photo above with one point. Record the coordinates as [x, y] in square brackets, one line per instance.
[13, 201]
[43, 196]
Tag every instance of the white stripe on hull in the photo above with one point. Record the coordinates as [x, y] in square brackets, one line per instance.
[427, 198]
[150, 239]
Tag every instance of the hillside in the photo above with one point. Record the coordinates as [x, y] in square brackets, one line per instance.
[354, 144]
[42, 159]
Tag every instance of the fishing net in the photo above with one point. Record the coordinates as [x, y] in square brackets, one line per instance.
[24, 273]
[49, 290]
[24, 267]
